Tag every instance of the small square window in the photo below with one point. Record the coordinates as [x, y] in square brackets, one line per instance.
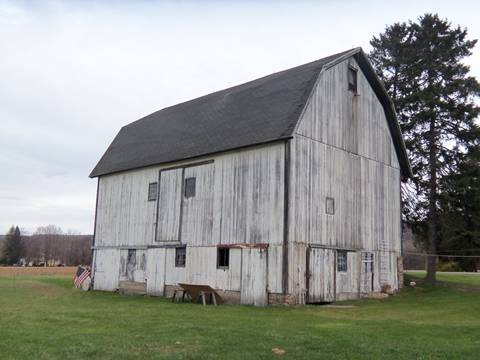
[180, 256]
[190, 184]
[341, 261]
[152, 191]
[223, 257]
[330, 206]
[352, 79]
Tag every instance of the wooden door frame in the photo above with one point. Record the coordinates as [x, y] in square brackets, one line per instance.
[183, 167]
[307, 269]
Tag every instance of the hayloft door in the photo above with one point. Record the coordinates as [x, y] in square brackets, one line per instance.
[321, 275]
[169, 203]
[196, 219]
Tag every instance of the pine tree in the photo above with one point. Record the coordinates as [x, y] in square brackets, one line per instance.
[13, 246]
[421, 66]
[459, 225]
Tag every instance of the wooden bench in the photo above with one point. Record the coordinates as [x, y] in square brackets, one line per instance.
[196, 292]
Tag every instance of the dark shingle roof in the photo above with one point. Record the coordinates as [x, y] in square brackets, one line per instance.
[259, 111]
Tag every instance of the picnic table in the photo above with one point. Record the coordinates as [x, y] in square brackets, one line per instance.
[196, 292]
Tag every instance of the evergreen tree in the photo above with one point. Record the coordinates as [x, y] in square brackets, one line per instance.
[459, 226]
[13, 246]
[421, 66]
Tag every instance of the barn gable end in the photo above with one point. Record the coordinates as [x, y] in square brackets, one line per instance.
[345, 179]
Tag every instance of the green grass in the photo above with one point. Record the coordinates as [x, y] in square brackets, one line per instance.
[471, 279]
[44, 318]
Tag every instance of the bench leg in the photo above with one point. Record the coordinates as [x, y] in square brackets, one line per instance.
[202, 294]
[214, 299]
[174, 294]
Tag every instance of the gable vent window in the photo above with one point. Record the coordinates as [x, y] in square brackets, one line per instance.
[152, 191]
[223, 258]
[190, 184]
[341, 261]
[330, 206]
[352, 79]
[180, 256]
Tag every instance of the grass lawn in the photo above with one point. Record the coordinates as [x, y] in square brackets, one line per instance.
[42, 317]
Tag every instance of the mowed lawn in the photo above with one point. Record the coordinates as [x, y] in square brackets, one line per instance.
[42, 317]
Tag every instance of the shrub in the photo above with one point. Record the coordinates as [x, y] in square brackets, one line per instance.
[449, 266]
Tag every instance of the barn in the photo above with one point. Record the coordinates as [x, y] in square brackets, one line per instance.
[285, 189]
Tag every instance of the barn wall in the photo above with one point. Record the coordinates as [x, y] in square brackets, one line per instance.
[124, 214]
[354, 123]
[106, 267]
[239, 199]
[343, 150]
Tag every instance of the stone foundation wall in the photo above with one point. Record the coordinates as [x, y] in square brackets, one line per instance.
[281, 299]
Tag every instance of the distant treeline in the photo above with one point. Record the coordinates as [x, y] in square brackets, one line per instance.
[48, 246]
[54, 249]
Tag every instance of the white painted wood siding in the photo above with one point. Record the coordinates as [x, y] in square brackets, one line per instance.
[155, 272]
[124, 214]
[106, 269]
[254, 277]
[321, 269]
[366, 194]
[197, 211]
[169, 203]
[247, 205]
[348, 283]
[354, 123]
[249, 193]
[342, 149]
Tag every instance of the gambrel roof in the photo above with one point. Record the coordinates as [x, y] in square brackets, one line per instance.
[257, 112]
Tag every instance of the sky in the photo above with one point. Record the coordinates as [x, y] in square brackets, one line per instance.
[72, 73]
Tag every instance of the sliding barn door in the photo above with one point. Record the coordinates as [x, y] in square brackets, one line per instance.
[321, 275]
[169, 205]
[197, 205]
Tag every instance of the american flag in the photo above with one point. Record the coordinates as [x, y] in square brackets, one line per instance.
[80, 276]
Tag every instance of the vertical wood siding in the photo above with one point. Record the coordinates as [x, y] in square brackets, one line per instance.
[354, 123]
[124, 214]
[197, 211]
[169, 202]
[155, 272]
[321, 270]
[106, 269]
[343, 150]
[249, 192]
[254, 277]
[238, 199]
[348, 283]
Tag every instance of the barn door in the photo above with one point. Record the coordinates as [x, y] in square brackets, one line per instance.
[254, 277]
[169, 202]
[321, 275]
[366, 276]
[197, 205]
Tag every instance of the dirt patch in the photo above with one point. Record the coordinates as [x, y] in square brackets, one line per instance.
[37, 271]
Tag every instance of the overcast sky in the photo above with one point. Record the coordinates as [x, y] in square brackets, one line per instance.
[72, 73]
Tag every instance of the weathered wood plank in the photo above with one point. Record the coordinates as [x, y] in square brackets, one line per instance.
[169, 202]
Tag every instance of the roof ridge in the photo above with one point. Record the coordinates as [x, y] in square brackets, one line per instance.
[265, 77]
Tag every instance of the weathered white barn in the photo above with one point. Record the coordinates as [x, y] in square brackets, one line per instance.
[285, 189]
